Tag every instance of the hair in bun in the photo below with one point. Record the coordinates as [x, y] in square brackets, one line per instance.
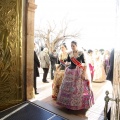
[74, 42]
[64, 44]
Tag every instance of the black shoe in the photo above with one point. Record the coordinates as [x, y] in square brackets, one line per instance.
[52, 78]
[45, 81]
[36, 93]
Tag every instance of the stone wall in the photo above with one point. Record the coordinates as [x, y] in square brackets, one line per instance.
[30, 48]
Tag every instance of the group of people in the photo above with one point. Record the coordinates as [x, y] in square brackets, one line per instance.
[99, 64]
[72, 73]
[71, 86]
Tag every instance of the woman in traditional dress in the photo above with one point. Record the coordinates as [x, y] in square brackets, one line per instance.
[106, 61]
[91, 63]
[59, 73]
[99, 72]
[75, 92]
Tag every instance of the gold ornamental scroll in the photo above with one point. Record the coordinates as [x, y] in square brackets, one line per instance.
[11, 79]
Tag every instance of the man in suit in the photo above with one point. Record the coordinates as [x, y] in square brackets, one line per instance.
[45, 63]
[53, 59]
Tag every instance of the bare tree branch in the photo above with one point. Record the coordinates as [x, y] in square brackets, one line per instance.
[57, 37]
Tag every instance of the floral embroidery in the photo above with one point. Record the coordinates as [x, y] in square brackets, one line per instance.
[74, 92]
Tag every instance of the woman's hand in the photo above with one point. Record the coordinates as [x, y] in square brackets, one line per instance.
[57, 67]
[67, 64]
[83, 76]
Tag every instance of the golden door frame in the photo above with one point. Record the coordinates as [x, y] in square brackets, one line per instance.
[11, 53]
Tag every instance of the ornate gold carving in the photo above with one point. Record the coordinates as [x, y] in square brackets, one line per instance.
[11, 82]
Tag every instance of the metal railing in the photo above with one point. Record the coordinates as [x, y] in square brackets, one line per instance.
[107, 99]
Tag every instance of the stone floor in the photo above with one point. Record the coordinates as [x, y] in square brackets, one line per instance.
[94, 113]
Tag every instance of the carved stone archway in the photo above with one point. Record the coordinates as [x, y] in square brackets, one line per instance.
[30, 48]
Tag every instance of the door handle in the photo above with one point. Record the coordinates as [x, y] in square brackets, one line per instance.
[107, 99]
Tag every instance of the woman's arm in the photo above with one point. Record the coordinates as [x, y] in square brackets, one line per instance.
[84, 64]
[68, 61]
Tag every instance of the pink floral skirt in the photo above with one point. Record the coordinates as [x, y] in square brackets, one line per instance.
[75, 93]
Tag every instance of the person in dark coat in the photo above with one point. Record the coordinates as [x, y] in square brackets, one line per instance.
[53, 60]
[36, 72]
[110, 76]
[110, 72]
